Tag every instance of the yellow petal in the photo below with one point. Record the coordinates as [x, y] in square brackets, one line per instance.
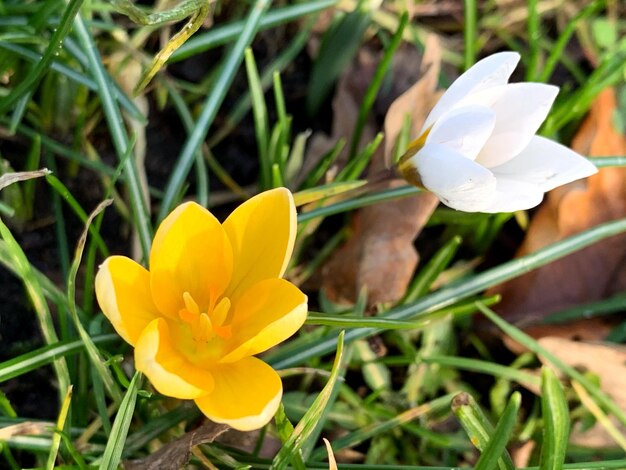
[246, 394]
[266, 314]
[262, 232]
[123, 292]
[166, 368]
[190, 253]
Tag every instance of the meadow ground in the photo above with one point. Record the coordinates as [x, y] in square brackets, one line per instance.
[435, 338]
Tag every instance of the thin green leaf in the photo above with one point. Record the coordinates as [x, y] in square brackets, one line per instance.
[35, 292]
[210, 107]
[528, 342]
[380, 428]
[54, 44]
[470, 33]
[65, 193]
[288, 357]
[285, 431]
[496, 449]
[60, 424]
[117, 439]
[338, 47]
[479, 429]
[317, 193]
[485, 367]
[224, 34]
[374, 86]
[92, 351]
[310, 419]
[37, 358]
[121, 142]
[556, 422]
[431, 270]
[534, 35]
[261, 123]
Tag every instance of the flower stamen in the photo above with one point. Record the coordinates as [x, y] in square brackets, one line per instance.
[206, 325]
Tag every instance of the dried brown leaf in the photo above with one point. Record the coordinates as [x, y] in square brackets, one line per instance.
[380, 254]
[10, 178]
[175, 454]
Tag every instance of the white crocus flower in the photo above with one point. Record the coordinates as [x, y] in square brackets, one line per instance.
[478, 151]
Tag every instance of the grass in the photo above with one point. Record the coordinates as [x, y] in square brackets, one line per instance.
[411, 386]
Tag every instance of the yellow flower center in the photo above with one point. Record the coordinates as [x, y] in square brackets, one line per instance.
[206, 325]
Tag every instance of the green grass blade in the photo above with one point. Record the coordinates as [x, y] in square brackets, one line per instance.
[317, 174]
[221, 35]
[374, 86]
[611, 305]
[470, 28]
[285, 430]
[37, 358]
[556, 422]
[603, 162]
[187, 120]
[309, 421]
[356, 203]
[261, 122]
[534, 36]
[159, 425]
[357, 437]
[117, 439]
[557, 51]
[35, 292]
[496, 449]
[432, 269]
[479, 429]
[56, 438]
[339, 45]
[211, 106]
[528, 342]
[318, 193]
[60, 188]
[76, 77]
[35, 74]
[118, 134]
[355, 167]
[288, 357]
[485, 367]
[92, 351]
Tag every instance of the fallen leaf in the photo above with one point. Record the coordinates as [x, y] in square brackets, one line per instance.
[590, 274]
[589, 329]
[521, 454]
[27, 428]
[14, 177]
[380, 254]
[175, 454]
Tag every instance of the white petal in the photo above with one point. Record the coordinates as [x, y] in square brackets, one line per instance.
[520, 109]
[513, 195]
[546, 164]
[464, 129]
[491, 71]
[457, 181]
